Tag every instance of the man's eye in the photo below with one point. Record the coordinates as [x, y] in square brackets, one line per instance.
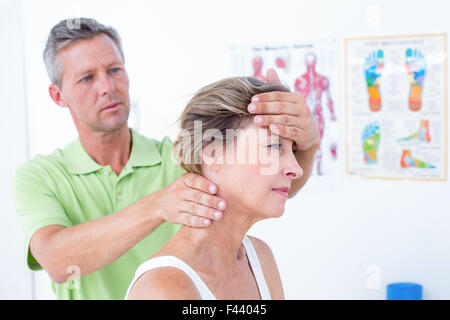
[115, 70]
[86, 79]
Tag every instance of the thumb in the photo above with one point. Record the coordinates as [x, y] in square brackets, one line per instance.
[272, 76]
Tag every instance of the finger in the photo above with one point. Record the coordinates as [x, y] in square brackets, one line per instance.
[272, 76]
[201, 210]
[287, 120]
[198, 182]
[278, 96]
[278, 107]
[296, 134]
[204, 199]
[187, 219]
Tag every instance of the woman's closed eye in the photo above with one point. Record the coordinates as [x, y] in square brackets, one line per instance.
[275, 146]
[279, 146]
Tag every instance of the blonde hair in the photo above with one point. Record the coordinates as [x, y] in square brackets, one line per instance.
[220, 106]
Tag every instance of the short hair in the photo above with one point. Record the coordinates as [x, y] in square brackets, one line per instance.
[221, 105]
[68, 31]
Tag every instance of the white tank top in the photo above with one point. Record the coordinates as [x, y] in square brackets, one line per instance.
[205, 293]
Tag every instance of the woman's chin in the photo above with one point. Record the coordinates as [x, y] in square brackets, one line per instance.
[275, 212]
[279, 213]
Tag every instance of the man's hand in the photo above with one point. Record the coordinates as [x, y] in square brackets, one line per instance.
[287, 115]
[190, 200]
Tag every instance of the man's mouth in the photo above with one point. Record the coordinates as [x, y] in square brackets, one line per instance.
[282, 190]
[111, 106]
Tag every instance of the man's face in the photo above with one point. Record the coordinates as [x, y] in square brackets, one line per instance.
[95, 84]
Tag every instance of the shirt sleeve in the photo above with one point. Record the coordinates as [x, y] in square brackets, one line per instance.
[36, 205]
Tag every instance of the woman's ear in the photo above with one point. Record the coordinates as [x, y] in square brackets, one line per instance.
[212, 155]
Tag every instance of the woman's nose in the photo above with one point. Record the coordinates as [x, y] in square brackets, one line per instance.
[293, 169]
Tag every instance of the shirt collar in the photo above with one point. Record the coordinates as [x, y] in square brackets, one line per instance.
[144, 152]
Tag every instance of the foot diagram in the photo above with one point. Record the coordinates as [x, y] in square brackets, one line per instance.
[370, 142]
[416, 66]
[423, 134]
[373, 67]
[407, 161]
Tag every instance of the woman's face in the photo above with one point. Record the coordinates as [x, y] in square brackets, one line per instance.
[256, 172]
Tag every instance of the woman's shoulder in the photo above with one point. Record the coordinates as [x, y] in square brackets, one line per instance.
[164, 283]
[269, 267]
[260, 245]
[265, 254]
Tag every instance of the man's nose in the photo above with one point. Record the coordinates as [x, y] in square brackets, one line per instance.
[106, 84]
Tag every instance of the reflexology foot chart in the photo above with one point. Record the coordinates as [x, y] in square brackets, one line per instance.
[370, 142]
[373, 67]
[396, 107]
[416, 66]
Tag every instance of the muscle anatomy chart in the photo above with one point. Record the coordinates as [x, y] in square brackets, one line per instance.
[310, 69]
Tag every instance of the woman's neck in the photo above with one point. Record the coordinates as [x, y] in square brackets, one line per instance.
[219, 245]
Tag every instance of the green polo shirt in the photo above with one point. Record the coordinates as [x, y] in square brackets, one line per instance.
[68, 187]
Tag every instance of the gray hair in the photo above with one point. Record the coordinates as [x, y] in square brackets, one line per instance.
[68, 31]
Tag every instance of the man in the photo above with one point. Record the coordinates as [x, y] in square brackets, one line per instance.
[95, 210]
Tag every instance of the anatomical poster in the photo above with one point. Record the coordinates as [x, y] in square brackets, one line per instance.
[308, 68]
[396, 107]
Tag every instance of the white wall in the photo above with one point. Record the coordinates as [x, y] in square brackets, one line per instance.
[15, 279]
[327, 244]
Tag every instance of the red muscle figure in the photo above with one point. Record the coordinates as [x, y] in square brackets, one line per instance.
[312, 85]
[257, 69]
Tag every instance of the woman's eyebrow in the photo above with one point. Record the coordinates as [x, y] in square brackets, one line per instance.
[265, 133]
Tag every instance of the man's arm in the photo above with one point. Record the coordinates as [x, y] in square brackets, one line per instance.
[95, 244]
[91, 245]
[306, 161]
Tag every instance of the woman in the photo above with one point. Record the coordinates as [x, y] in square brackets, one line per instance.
[220, 141]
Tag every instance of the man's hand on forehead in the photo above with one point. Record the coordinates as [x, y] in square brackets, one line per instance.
[286, 114]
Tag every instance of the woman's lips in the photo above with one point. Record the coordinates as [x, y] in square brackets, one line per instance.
[282, 191]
